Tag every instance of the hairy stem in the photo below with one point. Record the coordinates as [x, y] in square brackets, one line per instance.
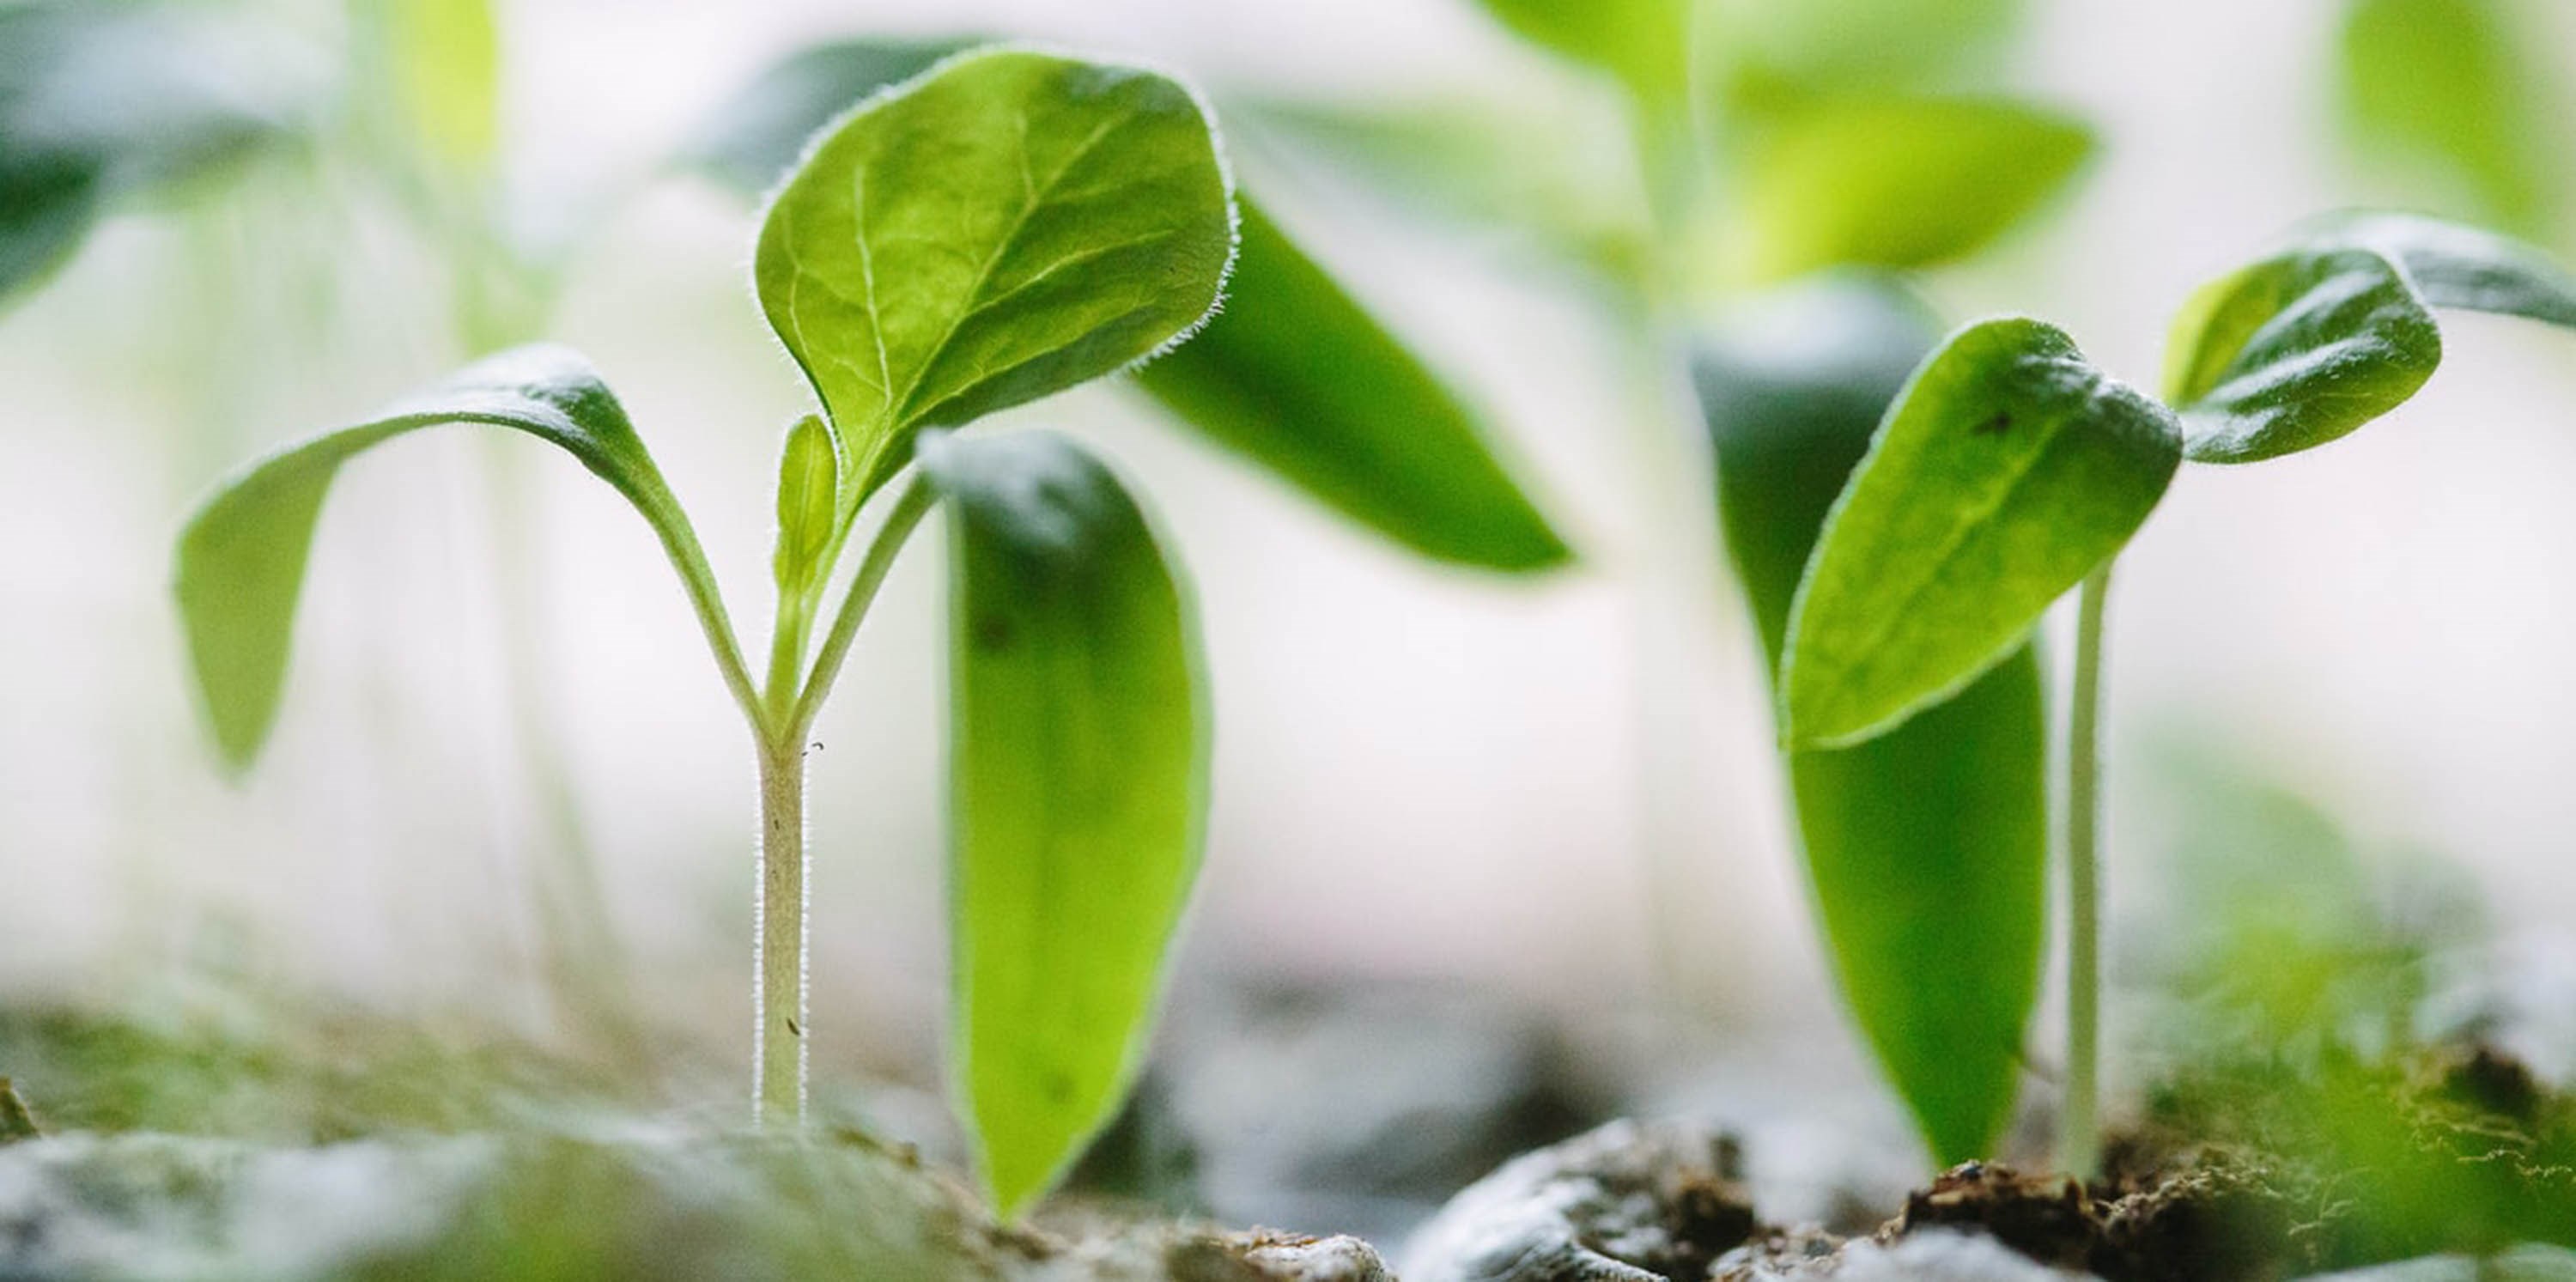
[2079, 1141]
[909, 507]
[778, 992]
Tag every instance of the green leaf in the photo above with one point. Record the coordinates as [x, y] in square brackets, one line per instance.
[754, 138]
[2296, 351]
[1078, 756]
[99, 102]
[1297, 377]
[1928, 845]
[2450, 90]
[2008, 470]
[1645, 43]
[2454, 265]
[1893, 182]
[1764, 46]
[242, 554]
[1005, 227]
[809, 503]
[444, 60]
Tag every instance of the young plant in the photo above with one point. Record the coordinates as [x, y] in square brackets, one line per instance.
[1007, 225]
[2011, 469]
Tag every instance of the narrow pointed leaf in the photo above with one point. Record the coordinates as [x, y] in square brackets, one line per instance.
[2451, 92]
[1078, 753]
[2296, 351]
[2008, 469]
[2456, 265]
[1297, 377]
[809, 480]
[1894, 182]
[242, 555]
[1927, 847]
[1006, 226]
[755, 136]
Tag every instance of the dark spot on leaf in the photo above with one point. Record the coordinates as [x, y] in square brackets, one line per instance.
[1996, 426]
[992, 632]
[795, 1029]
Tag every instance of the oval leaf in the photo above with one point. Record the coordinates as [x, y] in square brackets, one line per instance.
[2008, 470]
[1927, 846]
[1078, 754]
[2296, 351]
[1296, 376]
[1894, 182]
[242, 554]
[1007, 226]
[809, 480]
[2454, 265]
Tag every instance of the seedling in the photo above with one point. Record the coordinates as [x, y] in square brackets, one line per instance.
[1006, 225]
[2011, 469]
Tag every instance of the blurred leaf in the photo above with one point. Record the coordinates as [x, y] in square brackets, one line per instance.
[101, 102]
[1557, 172]
[2454, 265]
[242, 554]
[1296, 376]
[16, 1123]
[1645, 43]
[1079, 752]
[1010, 227]
[1892, 182]
[2296, 351]
[1928, 845]
[809, 479]
[1772, 46]
[2452, 88]
[756, 135]
[444, 58]
[2008, 470]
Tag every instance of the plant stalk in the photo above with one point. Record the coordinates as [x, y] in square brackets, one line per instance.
[779, 924]
[2079, 1141]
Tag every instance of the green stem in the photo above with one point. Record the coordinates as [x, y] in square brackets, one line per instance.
[778, 991]
[2079, 1142]
[909, 507]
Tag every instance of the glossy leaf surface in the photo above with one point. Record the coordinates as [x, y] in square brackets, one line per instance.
[2456, 265]
[2008, 469]
[1078, 752]
[1296, 376]
[2455, 92]
[1894, 182]
[2296, 351]
[242, 555]
[1926, 847]
[1008, 226]
[754, 138]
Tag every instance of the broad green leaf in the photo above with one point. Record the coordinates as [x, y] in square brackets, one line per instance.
[1645, 43]
[1892, 182]
[2454, 265]
[1078, 756]
[1928, 846]
[2450, 90]
[99, 102]
[754, 138]
[1297, 376]
[2296, 351]
[242, 554]
[1005, 227]
[809, 481]
[2008, 469]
